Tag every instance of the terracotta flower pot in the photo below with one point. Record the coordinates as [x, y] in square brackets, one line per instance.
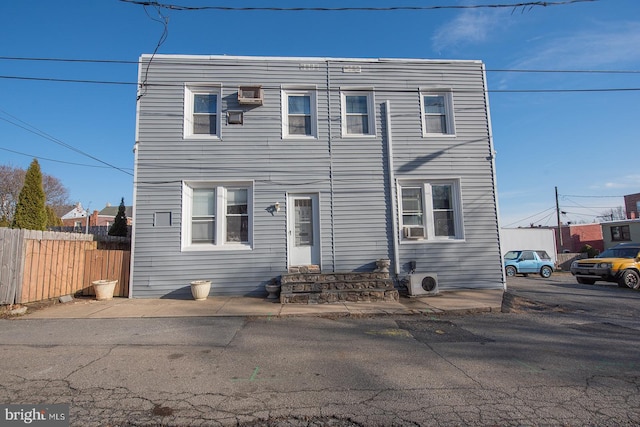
[104, 289]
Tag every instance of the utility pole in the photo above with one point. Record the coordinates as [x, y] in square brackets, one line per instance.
[559, 222]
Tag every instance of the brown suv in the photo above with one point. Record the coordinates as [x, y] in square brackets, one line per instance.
[620, 264]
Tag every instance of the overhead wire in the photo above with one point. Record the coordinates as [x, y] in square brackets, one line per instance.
[185, 61]
[107, 82]
[164, 20]
[532, 216]
[515, 6]
[30, 128]
[54, 160]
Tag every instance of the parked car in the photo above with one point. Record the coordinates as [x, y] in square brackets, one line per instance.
[528, 261]
[620, 264]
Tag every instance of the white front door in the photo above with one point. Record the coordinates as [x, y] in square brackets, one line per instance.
[303, 229]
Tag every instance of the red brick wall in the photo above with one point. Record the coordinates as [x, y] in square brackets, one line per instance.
[631, 205]
[574, 237]
[71, 222]
[585, 234]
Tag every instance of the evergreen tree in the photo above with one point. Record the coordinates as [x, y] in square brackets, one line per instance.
[31, 212]
[53, 220]
[119, 226]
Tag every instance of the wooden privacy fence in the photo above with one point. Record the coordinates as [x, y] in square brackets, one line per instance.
[40, 265]
[107, 264]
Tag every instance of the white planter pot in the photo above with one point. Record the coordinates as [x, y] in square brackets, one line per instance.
[200, 289]
[273, 291]
[104, 289]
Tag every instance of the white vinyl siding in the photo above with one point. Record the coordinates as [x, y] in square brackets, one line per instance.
[348, 175]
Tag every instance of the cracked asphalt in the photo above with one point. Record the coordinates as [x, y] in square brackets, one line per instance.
[575, 366]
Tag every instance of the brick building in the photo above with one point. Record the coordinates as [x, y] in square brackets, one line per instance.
[77, 217]
[632, 205]
[575, 236]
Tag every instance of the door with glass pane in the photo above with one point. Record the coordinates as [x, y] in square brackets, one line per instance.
[303, 229]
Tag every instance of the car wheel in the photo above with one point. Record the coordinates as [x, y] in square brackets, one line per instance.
[510, 270]
[584, 281]
[629, 279]
[546, 271]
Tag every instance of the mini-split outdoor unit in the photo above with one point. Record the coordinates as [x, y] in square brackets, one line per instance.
[252, 95]
[423, 284]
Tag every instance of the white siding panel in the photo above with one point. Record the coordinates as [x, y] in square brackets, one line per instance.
[349, 174]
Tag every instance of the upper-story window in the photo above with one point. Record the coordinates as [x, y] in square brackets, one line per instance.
[202, 112]
[299, 116]
[437, 113]
[358, 114]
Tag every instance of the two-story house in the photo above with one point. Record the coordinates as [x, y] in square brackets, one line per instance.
[248, 166]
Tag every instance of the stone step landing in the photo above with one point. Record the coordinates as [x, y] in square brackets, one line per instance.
[320, 288]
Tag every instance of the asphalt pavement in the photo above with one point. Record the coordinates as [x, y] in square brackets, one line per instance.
[561, 357]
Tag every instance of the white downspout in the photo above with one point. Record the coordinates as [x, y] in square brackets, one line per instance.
[392, 190]
[331, 187]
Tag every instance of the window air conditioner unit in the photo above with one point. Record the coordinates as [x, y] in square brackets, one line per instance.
[423, 284]
[414, 232]
[251, 95]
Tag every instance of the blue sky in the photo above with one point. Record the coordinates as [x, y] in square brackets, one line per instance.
[585, 143]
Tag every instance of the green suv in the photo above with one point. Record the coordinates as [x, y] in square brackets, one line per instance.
[619, 264]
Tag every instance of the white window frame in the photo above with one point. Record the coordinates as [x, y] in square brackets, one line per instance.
[190, 91]
[371, 111]
[311, 93]
[428, 210]
[220, 232]
[447, 94]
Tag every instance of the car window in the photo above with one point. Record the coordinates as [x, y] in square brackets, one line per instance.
[527, 255]
[543, 255]
[512, 255]
[619, 253]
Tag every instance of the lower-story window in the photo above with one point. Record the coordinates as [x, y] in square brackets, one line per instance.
[216, 215]
[430, 210]
[620, 233]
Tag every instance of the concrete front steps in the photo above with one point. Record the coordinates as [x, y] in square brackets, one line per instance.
[307, 285]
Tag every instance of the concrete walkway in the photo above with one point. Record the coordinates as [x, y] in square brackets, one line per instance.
[464, 301]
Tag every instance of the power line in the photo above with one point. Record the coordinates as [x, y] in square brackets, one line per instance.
[97, 61]
[53, 160]
[107, 82]
[497, 70]
[552, 209]
[523, 5]
[571, 195]
[204, 64]
[51, 79]
[164, 20]
[30, 128]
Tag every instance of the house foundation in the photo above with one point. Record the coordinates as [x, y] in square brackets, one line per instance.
[309, 286]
